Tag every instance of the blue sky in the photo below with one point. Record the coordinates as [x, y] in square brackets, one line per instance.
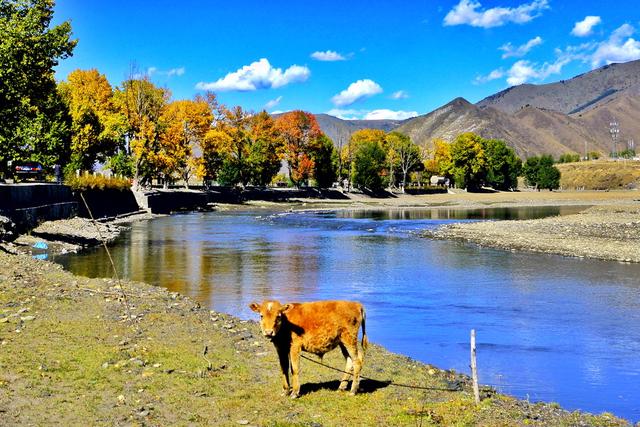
[353, 59]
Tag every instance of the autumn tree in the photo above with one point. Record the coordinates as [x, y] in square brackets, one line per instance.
[34, 124]
[438, 159]
[97, 127]
[300, 133]
[142, 104]
[185, 124]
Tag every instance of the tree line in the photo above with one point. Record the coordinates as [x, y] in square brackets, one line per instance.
[138, 131]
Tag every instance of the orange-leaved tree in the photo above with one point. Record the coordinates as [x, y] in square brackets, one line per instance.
[300, 134]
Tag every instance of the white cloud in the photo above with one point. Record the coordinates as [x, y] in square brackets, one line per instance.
[381, 114]
[585, 27]
[356, 91]
[494, 75]
[520, 51]
[466, 12]
[620, 47]
[347, 114]
[274, 102]
[257, 75]
[151, 71]
[384, 114]
[524, 71]
[328, 55]
[176, 72]
[401, 94]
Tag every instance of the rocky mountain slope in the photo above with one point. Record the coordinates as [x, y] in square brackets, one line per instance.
[572, 96]
[569, 116]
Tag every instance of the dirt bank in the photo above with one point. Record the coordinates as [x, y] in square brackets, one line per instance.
[71, 353]
[603, 232]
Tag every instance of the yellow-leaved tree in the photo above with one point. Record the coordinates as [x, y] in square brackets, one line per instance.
[185, 124]
[142, 104]
[97, 125]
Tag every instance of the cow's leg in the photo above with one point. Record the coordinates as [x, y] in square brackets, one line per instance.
[295, 370]
[283, 355]
[357, 357]
[344, 382]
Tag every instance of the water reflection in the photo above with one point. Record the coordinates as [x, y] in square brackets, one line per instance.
[551, 328]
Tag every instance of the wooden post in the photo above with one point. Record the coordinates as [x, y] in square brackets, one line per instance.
[474, 367]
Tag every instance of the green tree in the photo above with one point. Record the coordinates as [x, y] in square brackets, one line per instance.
[468, 161]
[33, 121]
[503, 166]
[265, 151]
[541, 173]
[368, 163]
[405, 156]
[325, 162]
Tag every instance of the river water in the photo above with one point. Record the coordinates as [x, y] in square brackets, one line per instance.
[548, 328]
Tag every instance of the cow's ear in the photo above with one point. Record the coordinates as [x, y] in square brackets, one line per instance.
[286, 308]
[255, 307]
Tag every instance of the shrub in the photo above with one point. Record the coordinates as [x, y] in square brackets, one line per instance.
[85, 182]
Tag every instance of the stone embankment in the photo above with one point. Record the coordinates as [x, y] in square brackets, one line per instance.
[602, 232]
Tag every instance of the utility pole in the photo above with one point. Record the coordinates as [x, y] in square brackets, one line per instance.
[614, 130]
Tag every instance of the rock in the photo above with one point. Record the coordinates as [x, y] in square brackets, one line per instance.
[243, 422]
[7, 230]
[27, 318]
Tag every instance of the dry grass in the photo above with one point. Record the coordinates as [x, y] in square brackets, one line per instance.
[600, 175]
[85, 182]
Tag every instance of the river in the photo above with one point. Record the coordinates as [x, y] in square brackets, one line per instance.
[548, 327]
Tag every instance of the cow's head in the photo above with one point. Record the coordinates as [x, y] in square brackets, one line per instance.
[271, 313]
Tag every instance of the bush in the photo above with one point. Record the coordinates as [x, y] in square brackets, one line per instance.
[85, 182]
[569, 158]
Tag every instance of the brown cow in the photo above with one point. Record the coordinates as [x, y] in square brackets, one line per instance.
[315, 327]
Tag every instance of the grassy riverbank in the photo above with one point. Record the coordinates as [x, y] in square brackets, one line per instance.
[69, 355]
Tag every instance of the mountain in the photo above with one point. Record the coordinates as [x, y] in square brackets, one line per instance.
[578, 94]
[570, 116]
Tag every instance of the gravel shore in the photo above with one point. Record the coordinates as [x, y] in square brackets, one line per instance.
[602, 232]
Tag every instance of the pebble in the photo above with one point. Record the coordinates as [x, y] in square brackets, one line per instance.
[27, 318]
[243, 422]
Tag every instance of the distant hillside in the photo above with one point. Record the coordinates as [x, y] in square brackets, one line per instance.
[571, 96]
[340, 130]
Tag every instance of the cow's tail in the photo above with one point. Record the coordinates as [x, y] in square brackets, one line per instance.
[365, 340]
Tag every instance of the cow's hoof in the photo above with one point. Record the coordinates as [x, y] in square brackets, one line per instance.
[342, 388]
[352, 393]
[294, 395]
